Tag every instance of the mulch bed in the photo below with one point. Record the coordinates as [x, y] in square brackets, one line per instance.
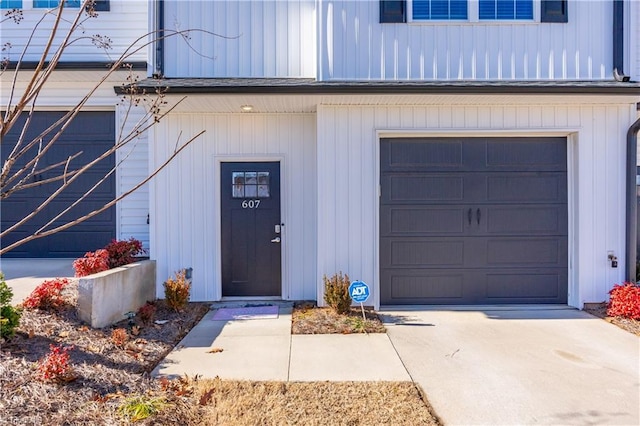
[600, 310]
[103, 373]
[307, 318]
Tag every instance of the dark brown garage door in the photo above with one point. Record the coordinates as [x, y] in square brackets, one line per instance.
[91, 133]
[473, 221]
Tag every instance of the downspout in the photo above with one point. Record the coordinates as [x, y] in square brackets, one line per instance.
[632, 199]
[618, 41]
[158, 68]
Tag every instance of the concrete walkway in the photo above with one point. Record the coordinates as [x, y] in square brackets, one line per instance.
[264, 349]
[23, 275]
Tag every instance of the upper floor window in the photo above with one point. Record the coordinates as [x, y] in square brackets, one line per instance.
[439, 9]
[461, 9]
[10, 4]
[99, 5]
[55, 3]
[505, 9]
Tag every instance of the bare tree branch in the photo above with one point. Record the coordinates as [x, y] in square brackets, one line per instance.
[29, 152]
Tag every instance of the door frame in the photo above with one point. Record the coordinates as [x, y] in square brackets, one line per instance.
[571, 134]
[217, 217]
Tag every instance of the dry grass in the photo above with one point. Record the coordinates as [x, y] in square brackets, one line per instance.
[600, 310]
[309, 319]
[325, 403]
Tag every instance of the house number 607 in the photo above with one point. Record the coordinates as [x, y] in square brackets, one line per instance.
[250, 204]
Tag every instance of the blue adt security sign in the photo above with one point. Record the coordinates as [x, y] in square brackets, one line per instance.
[359, 291]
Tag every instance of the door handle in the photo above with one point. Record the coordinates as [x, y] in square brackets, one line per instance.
[469, 216]
[276, 240]
[478, 215]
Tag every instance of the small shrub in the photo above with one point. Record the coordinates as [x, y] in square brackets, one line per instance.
[47, 295]
[336, 292]
[624, 301]
[119, 337]
[146, 312]
[138, 408]
[91, 263]
[55, 367]
[123, 252]
[9, 316]
[176, 291]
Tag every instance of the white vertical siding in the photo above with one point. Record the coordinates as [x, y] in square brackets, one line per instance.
[252, 38]
[348, 178]
[633, 29]
[354, 45]
[123, 24]
[133, 167]
[185, 221]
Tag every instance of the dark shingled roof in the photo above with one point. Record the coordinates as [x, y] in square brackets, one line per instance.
[312, 86]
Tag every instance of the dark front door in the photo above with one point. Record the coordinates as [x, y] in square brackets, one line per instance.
[251, 229]
[90, 134]
[473, 220]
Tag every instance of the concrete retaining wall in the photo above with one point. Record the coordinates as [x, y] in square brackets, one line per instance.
[104, 298]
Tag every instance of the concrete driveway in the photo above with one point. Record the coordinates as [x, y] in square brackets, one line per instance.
[520, 365]
[23, 275]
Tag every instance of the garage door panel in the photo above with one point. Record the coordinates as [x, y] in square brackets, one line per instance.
[474, 286]
[416, 253]
[424, 188]
[421, 154]
[436, 285]
[529, 285]
[522, 252]
[85, 182]
[21, 251]
[520, 154]
[104, 219]
[74, 240]
[15, 214]
[526, 219]
[547, 188]
[427, 220]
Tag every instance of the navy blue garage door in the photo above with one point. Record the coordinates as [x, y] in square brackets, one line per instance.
[91, 133]
[473, 221]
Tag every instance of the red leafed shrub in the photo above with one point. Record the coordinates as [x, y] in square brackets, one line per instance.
[47, 295]
[55, 367]
[146, 312]
[91, 263]
[123, 252]
[624, 301]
